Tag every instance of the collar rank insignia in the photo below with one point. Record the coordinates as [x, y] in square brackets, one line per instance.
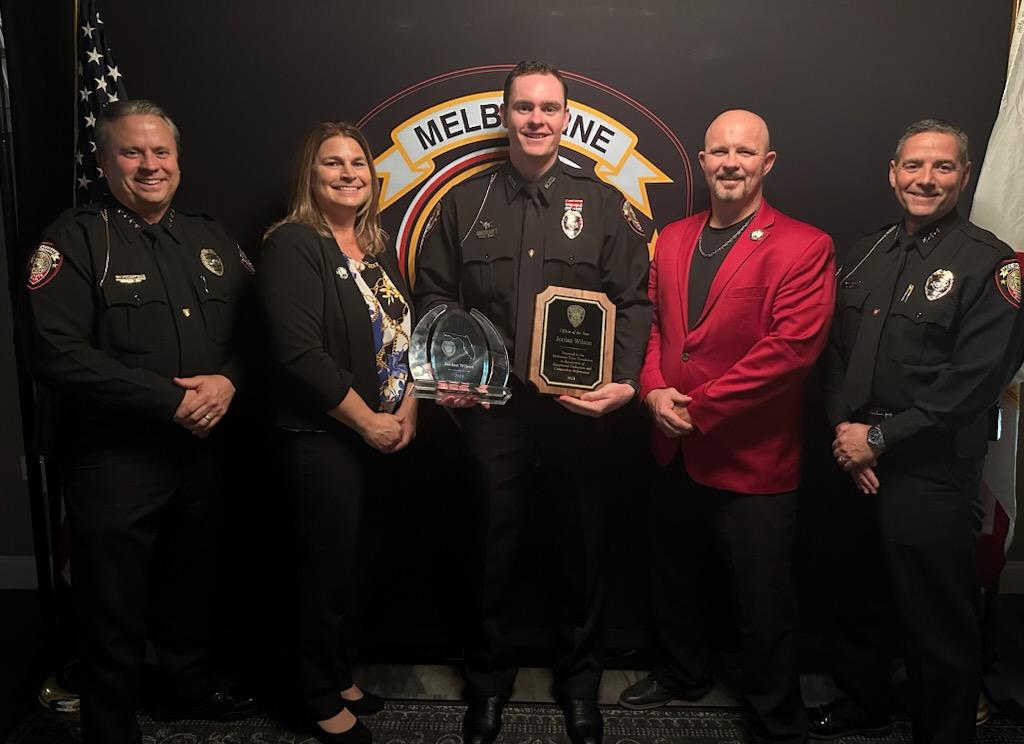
[43, 265]
[487, 229]
[572, 218]
[211, 261]
[938, 284]
[1008, 280]
[631, 218]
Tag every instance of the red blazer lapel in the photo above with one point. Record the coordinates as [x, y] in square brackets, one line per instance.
[738, 254]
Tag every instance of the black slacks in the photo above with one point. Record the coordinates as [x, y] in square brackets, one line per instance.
[508, 442]
[326, 478]
[141, 506]
[906, 570]
[690, 525]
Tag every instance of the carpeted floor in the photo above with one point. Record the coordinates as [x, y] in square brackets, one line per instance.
[439, 723]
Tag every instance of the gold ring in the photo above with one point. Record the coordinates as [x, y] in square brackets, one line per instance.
[208, 417]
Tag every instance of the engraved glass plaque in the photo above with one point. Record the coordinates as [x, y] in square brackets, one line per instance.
[455, 353]
[573, 341]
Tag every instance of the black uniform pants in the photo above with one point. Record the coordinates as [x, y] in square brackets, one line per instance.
[507, 443]
[325, 476]
[907, 563]
[143, 544]
[690, 525]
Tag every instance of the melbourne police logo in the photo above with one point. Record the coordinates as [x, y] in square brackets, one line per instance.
[437, 133]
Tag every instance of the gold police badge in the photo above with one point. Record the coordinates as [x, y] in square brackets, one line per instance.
[572, 218]
[575, 314]
[43, 265]
[1008, 281]
[211, 261]
[938, 284]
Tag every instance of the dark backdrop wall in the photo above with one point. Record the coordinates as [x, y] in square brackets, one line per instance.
[837, 81]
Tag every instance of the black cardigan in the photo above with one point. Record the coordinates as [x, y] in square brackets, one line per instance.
[320, 333]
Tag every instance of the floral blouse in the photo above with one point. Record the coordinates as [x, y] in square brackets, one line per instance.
[392, 324]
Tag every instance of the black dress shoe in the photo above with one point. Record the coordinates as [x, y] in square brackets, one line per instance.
[649, 693]
[367, 705]
[827, 722]
[358, 734]
[482, 722]
[583, 721]
[217, 706]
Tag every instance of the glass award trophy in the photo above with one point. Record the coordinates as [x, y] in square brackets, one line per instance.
[457, 353]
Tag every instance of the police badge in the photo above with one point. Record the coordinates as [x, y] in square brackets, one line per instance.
[938, 284]
[575, 314]
[43, 265]
[211, 261]
[1008, 280]
[572, 218]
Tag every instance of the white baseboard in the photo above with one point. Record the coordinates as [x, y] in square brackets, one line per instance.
[18, 572]
[1011, 581]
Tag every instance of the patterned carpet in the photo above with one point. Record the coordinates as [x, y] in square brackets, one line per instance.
[439, 723]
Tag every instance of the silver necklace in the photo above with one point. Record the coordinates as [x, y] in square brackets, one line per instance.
[726, 244]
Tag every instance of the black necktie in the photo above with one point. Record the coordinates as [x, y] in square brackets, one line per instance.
[861, 372]
[531, 276]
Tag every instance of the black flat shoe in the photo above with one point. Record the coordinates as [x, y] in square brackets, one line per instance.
[583, 721]
[358, 734]
[367, 705]
[826, 722]
[482, 722]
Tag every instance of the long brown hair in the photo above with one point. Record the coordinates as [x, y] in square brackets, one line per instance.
[302, 206]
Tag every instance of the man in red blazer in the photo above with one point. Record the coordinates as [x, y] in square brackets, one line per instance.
[743, 298]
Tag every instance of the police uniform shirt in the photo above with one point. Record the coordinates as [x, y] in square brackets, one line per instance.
[121, 307]
[590, 239]
[951, 334]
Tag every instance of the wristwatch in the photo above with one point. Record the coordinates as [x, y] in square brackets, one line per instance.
[875, 438]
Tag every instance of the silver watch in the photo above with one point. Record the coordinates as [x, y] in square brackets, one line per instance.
[875, 438]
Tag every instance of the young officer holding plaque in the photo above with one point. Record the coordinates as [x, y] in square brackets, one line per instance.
[494, 244]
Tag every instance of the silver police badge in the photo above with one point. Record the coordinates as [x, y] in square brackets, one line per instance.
[576, 314]
[572, 219]
[938, 284]
[211, 261]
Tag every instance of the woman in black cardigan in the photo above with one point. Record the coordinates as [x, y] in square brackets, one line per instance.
[339, 325]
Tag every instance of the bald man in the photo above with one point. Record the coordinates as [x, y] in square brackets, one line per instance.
[743, 299]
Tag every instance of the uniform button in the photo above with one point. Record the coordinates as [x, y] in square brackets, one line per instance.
[530, 253]
[186, 311]
[876, 311]
[136, 298]
[686, 356]
[919, 315]
[487, 257]
[571, 258]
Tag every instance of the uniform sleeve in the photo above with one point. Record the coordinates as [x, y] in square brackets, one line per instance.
[985, 355]
[833, 373]
[801, 315]
[291, 290]
[625, 267]
[66, 353]
[439, 262]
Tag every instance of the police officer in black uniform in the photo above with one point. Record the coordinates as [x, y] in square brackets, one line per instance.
[927, 333]
[493, 244]
[133, 305]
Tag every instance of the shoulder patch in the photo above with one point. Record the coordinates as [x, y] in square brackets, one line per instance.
[246, 263]
[43, 265]
[432, 220]
[1007, 279]
[631, 219]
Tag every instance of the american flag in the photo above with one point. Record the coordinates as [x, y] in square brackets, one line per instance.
[99, 82]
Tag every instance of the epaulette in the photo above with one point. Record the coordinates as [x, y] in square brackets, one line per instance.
[985, 236]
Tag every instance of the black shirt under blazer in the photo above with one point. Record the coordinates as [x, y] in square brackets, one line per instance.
[320, 331]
